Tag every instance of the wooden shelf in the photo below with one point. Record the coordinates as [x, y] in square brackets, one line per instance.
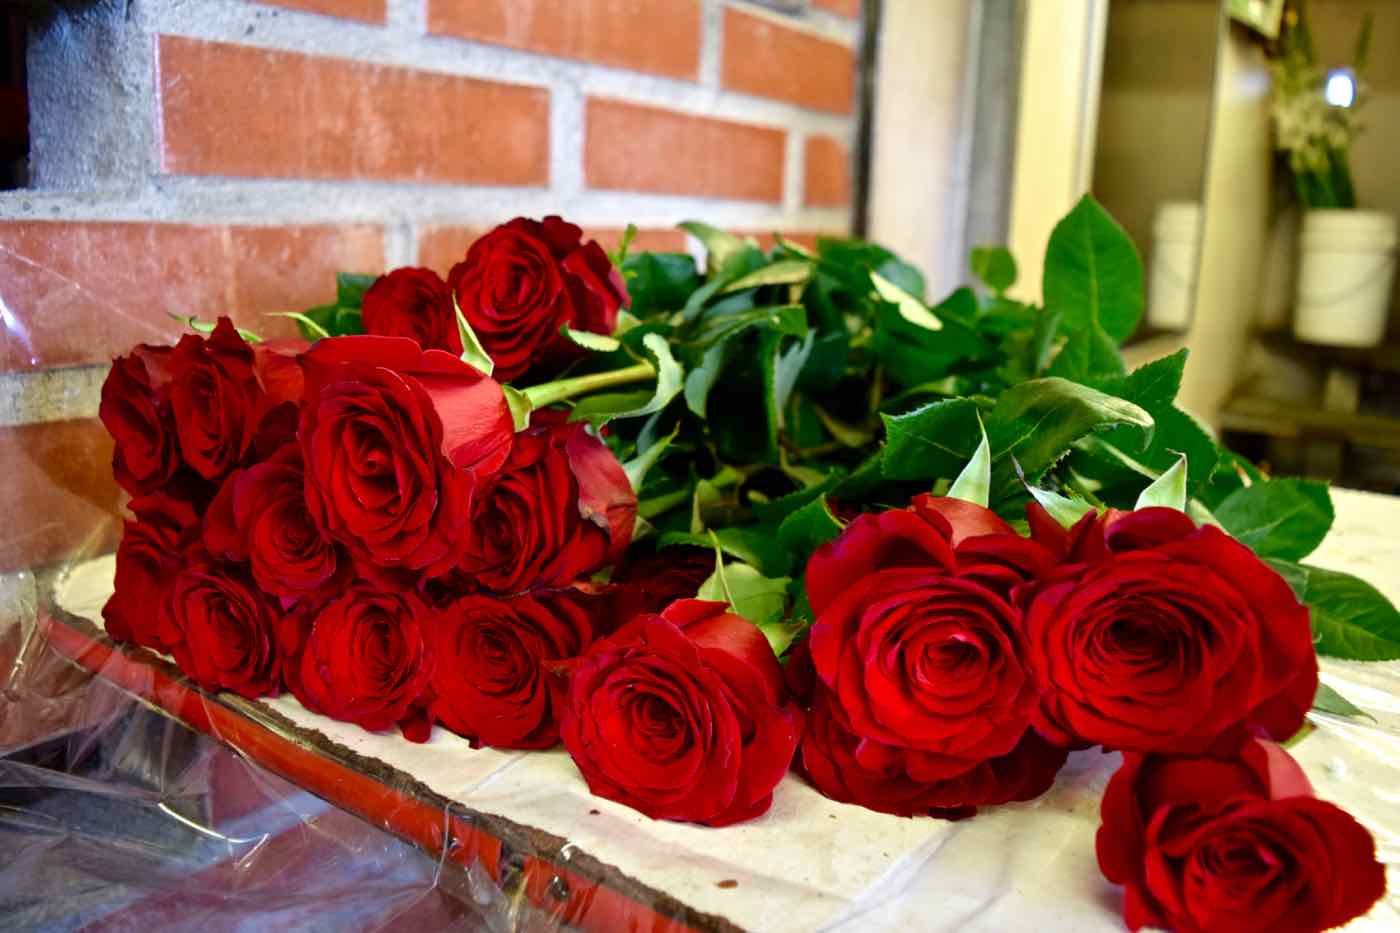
[1290, 420]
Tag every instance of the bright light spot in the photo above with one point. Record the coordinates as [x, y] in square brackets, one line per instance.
[1341, 88]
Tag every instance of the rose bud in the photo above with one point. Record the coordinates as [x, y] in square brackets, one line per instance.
[1233, 843]
[416, 304]
[217, 399]
[260, 515]
[523, 281]
[226, 627]
[395, 441]
[681, 716]
[148, 557]
[1176, 638]
[362, 656]
[850, 769]
[490, 683]
[136, 411]
[560, 508]
[916, 637]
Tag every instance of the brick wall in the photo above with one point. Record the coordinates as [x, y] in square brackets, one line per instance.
[222, 156]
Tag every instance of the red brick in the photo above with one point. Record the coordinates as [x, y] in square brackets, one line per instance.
[827, 173]
[635, 148]
[440, 248]
[234, 110]
[766, 239]
[764, 58]
[58, 496]
[371, 11]
[659, 36]
[849, 8]
[84, 292]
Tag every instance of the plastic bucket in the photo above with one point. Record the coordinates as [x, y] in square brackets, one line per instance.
[1345, 272]
[1171, 287]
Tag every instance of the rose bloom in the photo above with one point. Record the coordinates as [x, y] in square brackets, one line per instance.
[917, 638]
[396, 440]
[1172, 638]
[260, 515]
[362, 656]
[148, 557]
[682, 716]
[1233, 843]
[413, 303]
[851, 769]
[526, 279]
[136, 411]
[559, 509]
[491, 684]
[226, 626]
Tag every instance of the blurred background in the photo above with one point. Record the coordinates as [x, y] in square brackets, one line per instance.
[206, 157]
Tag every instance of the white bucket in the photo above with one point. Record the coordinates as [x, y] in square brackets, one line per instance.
[1345, 272]
[1280, 277]
[1171, 287]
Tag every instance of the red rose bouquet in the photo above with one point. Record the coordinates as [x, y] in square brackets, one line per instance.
[704, 528]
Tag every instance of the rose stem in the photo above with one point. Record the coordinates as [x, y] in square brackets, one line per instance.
[550, 392]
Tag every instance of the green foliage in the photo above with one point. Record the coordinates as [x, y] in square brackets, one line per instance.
[1286, 518]
[1350, 618]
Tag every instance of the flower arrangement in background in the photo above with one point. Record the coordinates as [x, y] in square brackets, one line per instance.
[705, 528]
[1315, 111]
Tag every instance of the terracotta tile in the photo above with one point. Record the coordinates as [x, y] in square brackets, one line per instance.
[58, 496]
[371, 11]
[259, 113]
[827, 173]
[631, 147]
[657, 36]
[849, 8]
[771, 60]
[84, 292]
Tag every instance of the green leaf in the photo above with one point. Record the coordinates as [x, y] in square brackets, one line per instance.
[1284, 518]
[913, 355]
[1330, 701]
[1067, 511]
[1093, 275]
[721, 248]
[1350, 617]
[786, 319]
[1087, 355]
[1037, 421]
[807, 529]
[700, 380]
[638, 467]
[619, 256]
[901, 273]
[994, 267]
[783, 272]
[309, 327]
[974, 482]
[1167, 490]
[602, 408]
[754, 546]
[598, 343]
[520, 406]
[350, 288]
[659, 282]
[473, 353]
[1153, 385]
[934, 441]
[762, 600]
[910, 308]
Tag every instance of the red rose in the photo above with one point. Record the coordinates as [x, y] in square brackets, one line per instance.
[148, 557]
[681, 716]
[490, 685]
[652, 580]
[395, 440]
[362, 657]
[260, 515]
[1175, 638]
[560, 508]
[524, 281]
[1235, 843]
[226, 627]
[916, 637]
[135, 409]
[217, 399]
[851, 769]
[416, 304]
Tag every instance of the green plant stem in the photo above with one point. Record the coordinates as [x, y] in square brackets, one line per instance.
[547, 393]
